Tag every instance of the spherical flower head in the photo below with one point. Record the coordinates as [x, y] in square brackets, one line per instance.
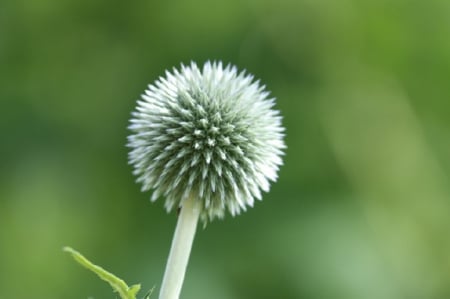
[211, 134]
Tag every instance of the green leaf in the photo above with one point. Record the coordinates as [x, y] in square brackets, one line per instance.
[116, 283]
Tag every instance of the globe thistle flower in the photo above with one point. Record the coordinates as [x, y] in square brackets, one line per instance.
[208, 133]
[207, 140]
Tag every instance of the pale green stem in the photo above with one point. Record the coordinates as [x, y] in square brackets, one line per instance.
[180, 250]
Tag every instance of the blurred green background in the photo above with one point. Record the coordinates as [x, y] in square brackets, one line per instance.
[361, 208]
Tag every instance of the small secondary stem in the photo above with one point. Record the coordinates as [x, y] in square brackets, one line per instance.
[180, 250]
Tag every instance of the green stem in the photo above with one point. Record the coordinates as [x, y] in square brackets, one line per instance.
[180, 250]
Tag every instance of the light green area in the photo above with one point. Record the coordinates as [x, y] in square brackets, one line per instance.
[361, 209]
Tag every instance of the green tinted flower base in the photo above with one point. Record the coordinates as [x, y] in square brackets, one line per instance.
[116, 283]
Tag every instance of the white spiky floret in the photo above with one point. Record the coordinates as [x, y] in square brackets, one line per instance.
[209, 133]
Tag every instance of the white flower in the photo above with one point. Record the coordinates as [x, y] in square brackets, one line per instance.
[211, 134]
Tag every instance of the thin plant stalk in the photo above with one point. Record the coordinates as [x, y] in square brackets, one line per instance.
[180, 250]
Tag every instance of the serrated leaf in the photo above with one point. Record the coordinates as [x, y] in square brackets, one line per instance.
[115, 282]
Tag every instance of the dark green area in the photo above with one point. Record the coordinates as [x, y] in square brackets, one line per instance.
[361, 208]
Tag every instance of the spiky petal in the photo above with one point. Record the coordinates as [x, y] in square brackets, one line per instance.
[209, 133]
